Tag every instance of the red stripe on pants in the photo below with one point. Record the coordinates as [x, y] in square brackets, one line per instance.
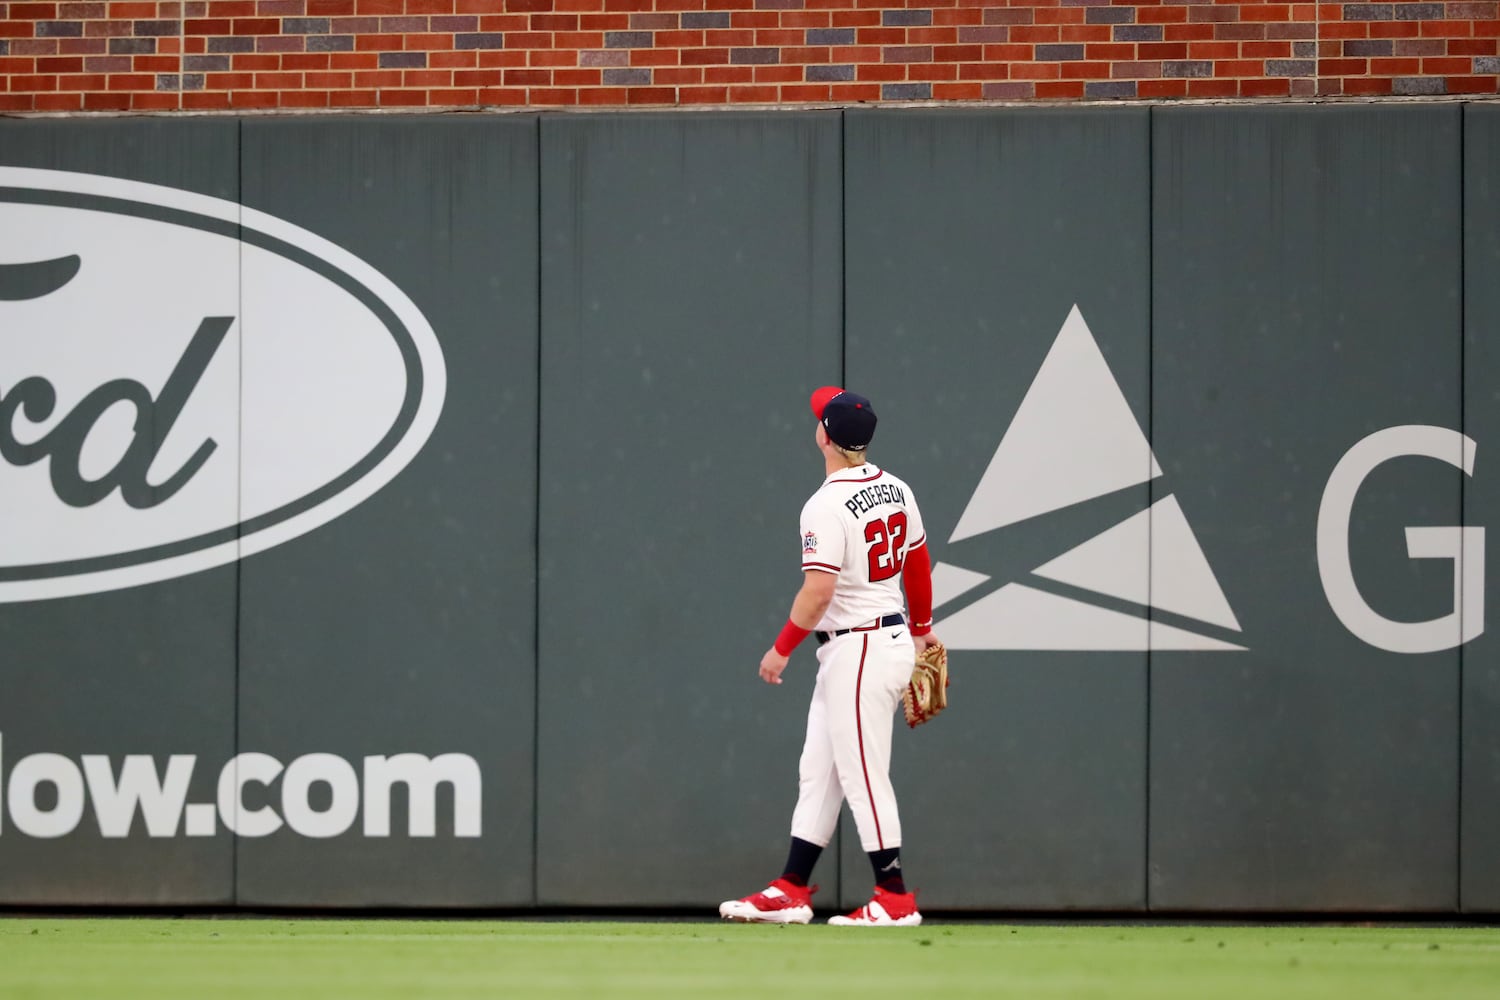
[859, 725]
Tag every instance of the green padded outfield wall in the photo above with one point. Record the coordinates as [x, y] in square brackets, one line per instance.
[130, 672]
[691, 276]
[408, 625]
[1305, 295]
[998, 275]
[1479, 859]
[394, 509]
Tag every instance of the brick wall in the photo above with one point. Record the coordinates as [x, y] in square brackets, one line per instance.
[232, 54]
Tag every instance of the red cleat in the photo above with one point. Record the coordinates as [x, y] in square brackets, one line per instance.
[778, 903]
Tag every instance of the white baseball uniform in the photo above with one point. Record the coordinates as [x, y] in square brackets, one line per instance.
[860, 524]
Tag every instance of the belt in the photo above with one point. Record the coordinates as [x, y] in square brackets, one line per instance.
[885, 622]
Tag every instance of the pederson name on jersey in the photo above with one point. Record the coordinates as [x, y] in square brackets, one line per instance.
[873, 496]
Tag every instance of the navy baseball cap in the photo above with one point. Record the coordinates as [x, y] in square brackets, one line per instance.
[847, 416]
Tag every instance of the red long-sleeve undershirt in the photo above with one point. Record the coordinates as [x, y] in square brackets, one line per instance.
[916, 577]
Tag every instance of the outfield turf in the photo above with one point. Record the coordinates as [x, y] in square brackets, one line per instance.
[372, 959]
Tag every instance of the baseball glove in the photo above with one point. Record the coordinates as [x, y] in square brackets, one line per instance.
[927, 693]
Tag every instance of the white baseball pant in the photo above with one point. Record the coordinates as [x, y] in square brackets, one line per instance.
[847, 755]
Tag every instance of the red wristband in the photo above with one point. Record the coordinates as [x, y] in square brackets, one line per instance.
[791, 635]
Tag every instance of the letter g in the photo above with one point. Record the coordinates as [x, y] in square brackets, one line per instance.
[1463, 545]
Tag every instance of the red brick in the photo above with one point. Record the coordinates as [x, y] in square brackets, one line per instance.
[1086, 33]
[1266, 50]
[1342, 67]
[56, 102]
[774, 74]
[677, 76]
[403, 98]
[804, 93]
[305, 99]
[250, 62]
[1369, 86]
[1161, 15]
[1446, 29]
[1134, 71]
[1034, 33]
[466, 59]
[1449, 66]
[752, 95]
[1395, 67]
[1066, 90]
[879, 73]
[37, 84]
[1213, 50]
[730, 38]
[855, 92]
[60, 64]
[353, 60]
[778, 37]
[150, 101]
[1395, 29]
[1084, 70]
[106, 102]
[196, 100]
[305, 60]
[427, 79]
[550, 57]
[1149, 89]
[1472, 46]
[352, 99]
[932, 36]
[1162, 50]
[703, 95]
[1188, 32]
[854, 19]
[330, 81]
[1042, 14]
[704, 57]
[957, 91]
[1239, 67]
[1036, 71]
[379, 79]
[1473, 85]
[1265, 88]
[655, 57]
[805, 18]
[1213, 88]
[506, 96]
[256, 26]
[132, 81]
[1352, 29]
[651, 95]
[527, 77]
[1110, 51]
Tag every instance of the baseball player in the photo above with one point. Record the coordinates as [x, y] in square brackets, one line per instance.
[862, 540]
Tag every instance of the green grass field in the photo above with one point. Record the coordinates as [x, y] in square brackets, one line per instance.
[371, 959]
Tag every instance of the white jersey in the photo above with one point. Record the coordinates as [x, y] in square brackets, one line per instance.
[861, 524]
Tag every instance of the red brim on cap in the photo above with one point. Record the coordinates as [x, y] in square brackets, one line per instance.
[821, 397]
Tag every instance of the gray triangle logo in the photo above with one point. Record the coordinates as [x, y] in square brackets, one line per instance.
[1075, 408]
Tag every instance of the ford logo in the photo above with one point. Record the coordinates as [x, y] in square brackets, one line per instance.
[185, 381]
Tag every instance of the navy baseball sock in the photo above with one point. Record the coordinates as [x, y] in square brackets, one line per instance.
[887, 865]
[800, 861]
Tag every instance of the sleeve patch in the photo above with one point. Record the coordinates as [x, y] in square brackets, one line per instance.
[810, 544]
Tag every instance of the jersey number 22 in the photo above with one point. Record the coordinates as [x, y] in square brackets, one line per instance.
[887, 539]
